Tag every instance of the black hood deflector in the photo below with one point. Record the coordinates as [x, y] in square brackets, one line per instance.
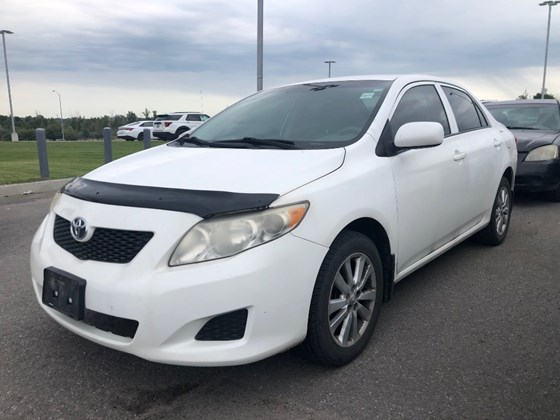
[202, 203]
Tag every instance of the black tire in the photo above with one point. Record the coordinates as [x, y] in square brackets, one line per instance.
[357, 308]
[554, 195]
[496, 231]
[141, 137]
[180, 131]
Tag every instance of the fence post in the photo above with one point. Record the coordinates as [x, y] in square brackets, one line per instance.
[147, 138]
[42, 152]
[107, 144]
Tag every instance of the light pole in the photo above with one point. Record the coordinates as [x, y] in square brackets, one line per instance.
[329, 62]
[259, 45]
[549, 4]
[14, 134]
[61, 119]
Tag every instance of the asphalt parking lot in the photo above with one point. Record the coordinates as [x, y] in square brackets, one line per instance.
[474, 334]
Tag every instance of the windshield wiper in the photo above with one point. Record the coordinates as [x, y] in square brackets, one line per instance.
[193, 140]
[252, 141]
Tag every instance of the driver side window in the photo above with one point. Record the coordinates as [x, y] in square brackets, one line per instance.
[420, 103]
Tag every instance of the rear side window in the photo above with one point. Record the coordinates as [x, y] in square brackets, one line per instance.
[467, 114]
[193, 117]
[420, 103]
[174, 117]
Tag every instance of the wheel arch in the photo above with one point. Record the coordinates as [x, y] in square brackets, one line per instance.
[508, 174]
[378, 235]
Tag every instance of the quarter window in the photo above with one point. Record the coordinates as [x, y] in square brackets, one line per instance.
[420, 103]
[465, 110]
[481, 116]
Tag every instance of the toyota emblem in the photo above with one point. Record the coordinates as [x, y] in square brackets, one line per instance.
[79, 229]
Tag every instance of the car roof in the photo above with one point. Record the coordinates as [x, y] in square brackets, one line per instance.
[178, 113]
[401, 79]
[524, 102]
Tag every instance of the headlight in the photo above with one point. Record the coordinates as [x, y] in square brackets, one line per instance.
[226, 236]
[543, 153]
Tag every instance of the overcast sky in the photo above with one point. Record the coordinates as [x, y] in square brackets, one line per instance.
[111, 56]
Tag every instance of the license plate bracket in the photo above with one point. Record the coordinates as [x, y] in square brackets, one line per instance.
[64, 292]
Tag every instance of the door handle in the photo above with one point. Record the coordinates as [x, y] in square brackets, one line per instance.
[459, 155]
[497, 142]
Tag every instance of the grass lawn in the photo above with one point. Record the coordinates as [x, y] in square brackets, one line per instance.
[19, 161]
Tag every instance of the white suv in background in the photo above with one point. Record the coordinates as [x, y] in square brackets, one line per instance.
[170, 126]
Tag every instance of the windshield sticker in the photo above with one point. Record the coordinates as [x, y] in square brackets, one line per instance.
[367, 95]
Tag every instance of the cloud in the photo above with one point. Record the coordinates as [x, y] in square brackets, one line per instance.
[177, 49]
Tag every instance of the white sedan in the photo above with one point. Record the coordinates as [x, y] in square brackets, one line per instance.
[135, 130]
[284, 220]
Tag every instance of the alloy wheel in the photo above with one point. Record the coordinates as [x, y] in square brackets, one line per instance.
[502, 211]
[352, 299]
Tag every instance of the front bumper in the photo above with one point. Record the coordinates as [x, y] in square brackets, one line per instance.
[538, 176]
[273, 282]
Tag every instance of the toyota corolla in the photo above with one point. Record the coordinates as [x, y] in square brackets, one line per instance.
[284, 220]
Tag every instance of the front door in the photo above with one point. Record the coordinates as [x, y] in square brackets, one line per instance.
[430, 183]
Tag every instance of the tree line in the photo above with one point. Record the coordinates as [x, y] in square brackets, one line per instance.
[75, 128]
[526, 95]
[82, 128]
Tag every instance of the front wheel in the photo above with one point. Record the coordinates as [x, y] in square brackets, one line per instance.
[346, 301]
[554, 195]
[496, 231]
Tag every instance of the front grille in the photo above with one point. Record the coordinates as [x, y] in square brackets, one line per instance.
[226, 327]
[106, 245]
[119, 326]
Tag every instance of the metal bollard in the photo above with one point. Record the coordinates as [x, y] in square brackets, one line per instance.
[107, 145]
[147, 138]
[42, 152]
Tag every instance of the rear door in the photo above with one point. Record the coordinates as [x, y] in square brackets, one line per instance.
[482, 146]
[193, 120]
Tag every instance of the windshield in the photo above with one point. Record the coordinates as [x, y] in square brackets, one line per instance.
[527, 116]
[314, 115]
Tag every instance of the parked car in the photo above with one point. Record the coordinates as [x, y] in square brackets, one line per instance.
[286, 219]
[135, 130]
[536, 125]
[171, 126]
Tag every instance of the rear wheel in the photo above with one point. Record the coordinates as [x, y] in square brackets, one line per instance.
[181, 131]
[346, 301]
[141, 137]
[496, 231]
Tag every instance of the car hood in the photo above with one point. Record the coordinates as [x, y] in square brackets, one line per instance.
[214, 169]
[529, 139]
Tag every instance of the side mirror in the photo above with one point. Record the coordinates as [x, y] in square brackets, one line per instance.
[419, 134]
